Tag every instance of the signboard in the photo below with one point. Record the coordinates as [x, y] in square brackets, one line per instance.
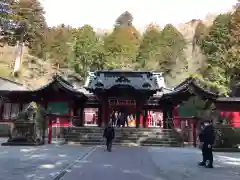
[122, 102]
[60, 108]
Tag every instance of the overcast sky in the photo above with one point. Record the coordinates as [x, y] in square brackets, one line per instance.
[102, 13]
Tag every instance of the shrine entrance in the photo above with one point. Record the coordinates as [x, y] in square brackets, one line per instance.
[124, 94]
[122, 112]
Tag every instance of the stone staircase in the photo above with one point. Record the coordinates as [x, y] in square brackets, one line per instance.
[124, 136]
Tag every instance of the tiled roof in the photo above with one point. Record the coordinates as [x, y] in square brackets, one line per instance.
[60, 81]
[9, 85]
[190, 85]
[138, 80]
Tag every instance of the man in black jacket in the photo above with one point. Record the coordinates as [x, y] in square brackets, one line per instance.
[207, 136]
[109, 134]
[201, 143]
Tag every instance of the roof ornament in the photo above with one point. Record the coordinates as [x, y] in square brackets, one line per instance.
[146, 85]
[122, 79]
[99, 84]
[160, 79]
[90, 76]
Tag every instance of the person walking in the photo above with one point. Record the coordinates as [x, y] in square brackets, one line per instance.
[109, 134]
[208, 138]
[200, 136]
[113, 118]
[118, 119]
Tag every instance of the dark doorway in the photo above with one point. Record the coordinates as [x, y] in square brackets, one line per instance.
[122, 113]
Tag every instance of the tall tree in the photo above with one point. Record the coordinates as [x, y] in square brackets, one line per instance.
[124, 20]
[87, 53]
[234, 51]
[215, 46]
[149, 47]
[122, 44]
[235, 37]
[199, 34]
[58, 43]
[8, 23]
[31, 15]
[172, 48]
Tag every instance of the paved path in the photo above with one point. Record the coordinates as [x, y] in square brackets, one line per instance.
[93, 163]
[152, 164]
[36, 163]
[122, 163]
[180, 164]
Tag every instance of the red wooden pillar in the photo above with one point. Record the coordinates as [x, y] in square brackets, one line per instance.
[145, 117]
[138, 113]
[104, 113]
[101, 119]
[194, 131]
[81, 116]
[107, 113]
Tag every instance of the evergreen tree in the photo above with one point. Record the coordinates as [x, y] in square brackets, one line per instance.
[8, 23]
[122, 44]
[87, 53]
[31, 15]
[59, 40]
[172, 48]
[234, 52]
[199, 34]
[215, 46]
[149, 47]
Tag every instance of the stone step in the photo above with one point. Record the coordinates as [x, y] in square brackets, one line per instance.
[124, 144]
[141, 136]
[170, 135]
[97, 129]
[156, 141]
[126, 140]
[123, 132]
[121, 137]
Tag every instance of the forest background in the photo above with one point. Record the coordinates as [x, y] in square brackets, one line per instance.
[208, 51]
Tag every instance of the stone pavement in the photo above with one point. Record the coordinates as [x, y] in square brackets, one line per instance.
[123, 163]
[180, 164]
[36, 163]
[153, 164]
[68, 162]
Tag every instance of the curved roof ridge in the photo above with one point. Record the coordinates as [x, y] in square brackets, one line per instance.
[60, 80]
[198, 85]
[187, 85]
[14, 82]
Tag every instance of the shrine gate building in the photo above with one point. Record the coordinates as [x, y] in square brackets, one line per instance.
[142, 96]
